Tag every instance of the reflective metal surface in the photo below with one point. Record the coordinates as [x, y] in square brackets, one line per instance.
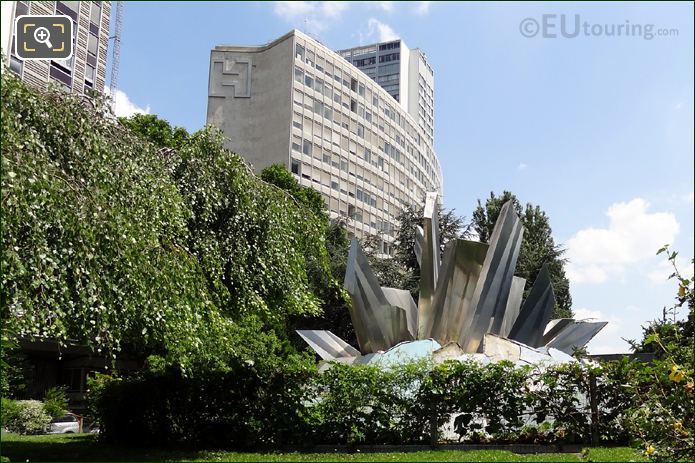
[327, 345]
[470, 302]
[495, 281]
[536, 311]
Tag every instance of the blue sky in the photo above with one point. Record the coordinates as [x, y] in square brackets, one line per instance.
[596, 129]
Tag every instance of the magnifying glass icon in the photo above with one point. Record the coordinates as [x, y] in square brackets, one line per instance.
[42, 35]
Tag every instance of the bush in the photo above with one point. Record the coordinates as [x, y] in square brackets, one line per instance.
[255, 406]
[26, 417]
[243, 407]
[56, 402]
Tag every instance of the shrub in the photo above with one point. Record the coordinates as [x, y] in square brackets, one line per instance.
[26, 417]
[55, 402]
[246, 406]
[9, 411]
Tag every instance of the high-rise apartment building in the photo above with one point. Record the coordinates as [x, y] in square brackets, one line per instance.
[402, 72]
[296, 102]
[86, 69]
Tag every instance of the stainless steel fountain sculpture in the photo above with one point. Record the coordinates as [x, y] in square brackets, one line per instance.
[470, 302]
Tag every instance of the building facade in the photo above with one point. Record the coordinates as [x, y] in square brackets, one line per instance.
[86, 69]
[296, 102]
[402, 72]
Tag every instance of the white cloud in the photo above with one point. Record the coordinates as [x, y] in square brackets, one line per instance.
[521, 166]
[422, 8]
[633, 236]
[660, 272]
[123, 107]
[383, 32]
[313, 16]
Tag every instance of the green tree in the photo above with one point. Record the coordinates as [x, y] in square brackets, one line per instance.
[111, 242]
[335, 315]
[156, 130]
[538, 246]
[402, 270]
[278, 175]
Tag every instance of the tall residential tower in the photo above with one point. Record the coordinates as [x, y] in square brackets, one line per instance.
[86, 69]
[402, 72]
[296, 102]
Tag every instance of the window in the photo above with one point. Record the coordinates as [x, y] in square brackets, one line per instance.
[68, 8]
[297, 124]
[360, 130]
[95, 13]
[353, 106]
[298, 75]
[318, 85]
[306, 148]
[353, 85]
[299, 52]
[389, 57]
[15, 63]
[60, 75]
[93, 44]
[360, 90]
[89, 73]
[390, 46]
[308, 81]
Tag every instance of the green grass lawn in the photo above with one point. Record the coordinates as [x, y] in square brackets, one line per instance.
[84, 447]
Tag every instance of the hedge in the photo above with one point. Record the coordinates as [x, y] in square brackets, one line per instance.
[295, 405]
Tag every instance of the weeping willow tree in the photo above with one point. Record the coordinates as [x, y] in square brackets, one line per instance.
[113, 242]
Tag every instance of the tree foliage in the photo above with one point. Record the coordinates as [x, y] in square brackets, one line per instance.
[156, 130]
[114, 243]
[335, 315]
[538, 246]
[402, 271]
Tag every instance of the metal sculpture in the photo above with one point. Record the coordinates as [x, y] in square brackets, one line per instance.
[470, 302]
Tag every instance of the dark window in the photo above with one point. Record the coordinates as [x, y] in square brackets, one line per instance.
[21, 8]
[60, 75]
[295, 167]
[73, 379]
[68, 8]
[390, 46]
[353, 85]
[389, 57]
[306, 149]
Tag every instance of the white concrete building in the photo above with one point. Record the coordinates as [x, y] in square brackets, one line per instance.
[296, 102]
[86, 69]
